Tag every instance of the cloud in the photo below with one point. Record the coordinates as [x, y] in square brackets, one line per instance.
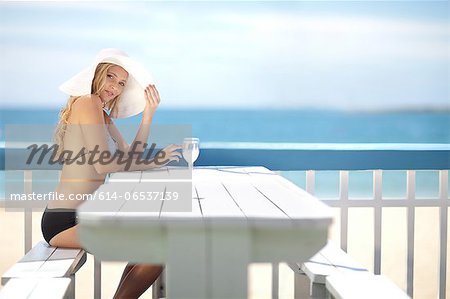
[206, 56]
[350, 37]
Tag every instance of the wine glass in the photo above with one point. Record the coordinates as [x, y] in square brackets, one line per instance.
[190, 150]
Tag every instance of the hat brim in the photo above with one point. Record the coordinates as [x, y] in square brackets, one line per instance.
[131, 101]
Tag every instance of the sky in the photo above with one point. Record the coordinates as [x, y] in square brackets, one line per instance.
[364, 55]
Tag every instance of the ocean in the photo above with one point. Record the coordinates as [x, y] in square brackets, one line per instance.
[296, 126]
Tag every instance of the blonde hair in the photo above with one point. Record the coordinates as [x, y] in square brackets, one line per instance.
[98, 82]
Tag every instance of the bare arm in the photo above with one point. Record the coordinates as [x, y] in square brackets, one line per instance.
[94, 131]
[95, 136]
[152, 102]
[165, 156]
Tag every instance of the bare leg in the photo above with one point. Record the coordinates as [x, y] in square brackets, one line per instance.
[127, 269]
[67, 238]
[138, 279]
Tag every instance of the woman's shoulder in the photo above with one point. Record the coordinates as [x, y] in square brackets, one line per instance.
[88, 101]
[88, 105]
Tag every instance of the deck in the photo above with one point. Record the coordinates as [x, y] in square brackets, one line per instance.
[403, 236]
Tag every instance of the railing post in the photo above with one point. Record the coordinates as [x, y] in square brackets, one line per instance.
[343, 197]
[28, 213]
[410, 196]
[97, 278]
[275, 279]
[443, 197]
[310, 181]
[275, 272]
[377, 194]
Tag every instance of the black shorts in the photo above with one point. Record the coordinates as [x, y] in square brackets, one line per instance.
[55, 221]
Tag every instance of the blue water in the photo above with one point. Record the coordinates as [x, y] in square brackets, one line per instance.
[303, 126]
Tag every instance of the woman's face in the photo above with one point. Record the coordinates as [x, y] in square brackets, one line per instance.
[115, 81]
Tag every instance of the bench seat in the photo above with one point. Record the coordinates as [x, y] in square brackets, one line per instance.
[35, 288]
[334, 274]
[45, 261]
[329, 260]
[362, 285]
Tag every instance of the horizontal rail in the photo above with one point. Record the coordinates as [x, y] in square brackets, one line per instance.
[329, 156]
[385, 203]
[290, 156]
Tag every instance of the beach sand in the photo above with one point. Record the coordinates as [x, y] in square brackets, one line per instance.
[360, 246]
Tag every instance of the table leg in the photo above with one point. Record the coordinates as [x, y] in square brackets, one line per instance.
[186, 273]
[229, 258]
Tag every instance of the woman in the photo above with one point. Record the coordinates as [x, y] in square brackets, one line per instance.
[114, 83]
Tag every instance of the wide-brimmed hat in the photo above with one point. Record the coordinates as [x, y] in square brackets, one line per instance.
[132, 100]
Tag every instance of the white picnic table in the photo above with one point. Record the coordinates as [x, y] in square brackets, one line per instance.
[239, 215]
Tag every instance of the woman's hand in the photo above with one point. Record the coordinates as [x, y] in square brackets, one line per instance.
[152, 100]
[168, 154]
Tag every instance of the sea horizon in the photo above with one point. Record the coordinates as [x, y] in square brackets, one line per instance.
[304, 125]
[417, 108]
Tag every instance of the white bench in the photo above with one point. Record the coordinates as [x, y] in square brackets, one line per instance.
[329, 260]
[46, 262]
[35, 288]
[362, 285]
[331, 266]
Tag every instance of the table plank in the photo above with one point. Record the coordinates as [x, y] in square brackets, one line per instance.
[125, 176]
[253, 203]
[180, 173]
[145, 200]
[170, 208]
[155, 174]
[293, 201]
[215, 201]
[108, 199]
[204, 174]
[113, 195]
[179, 196]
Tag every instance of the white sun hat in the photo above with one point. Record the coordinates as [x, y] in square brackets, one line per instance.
[132, 100]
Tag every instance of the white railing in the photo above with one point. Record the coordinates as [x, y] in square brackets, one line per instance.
[315, 158]
[377, 202]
